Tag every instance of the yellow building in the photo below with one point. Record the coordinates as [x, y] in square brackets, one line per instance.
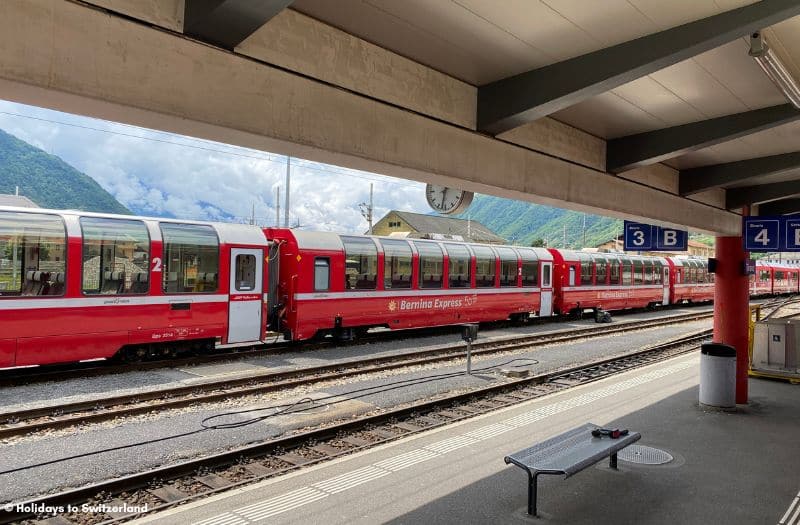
[420, 226]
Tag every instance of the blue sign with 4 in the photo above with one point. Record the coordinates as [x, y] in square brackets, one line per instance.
[764, 234]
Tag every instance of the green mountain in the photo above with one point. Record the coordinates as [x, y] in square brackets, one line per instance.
[49, 181]
[523, 222]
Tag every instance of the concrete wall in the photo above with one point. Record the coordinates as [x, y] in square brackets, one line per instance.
[73, 58]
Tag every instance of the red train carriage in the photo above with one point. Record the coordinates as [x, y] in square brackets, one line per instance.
[77, 286]
[690, 280]
[341, 284]
[608, 280]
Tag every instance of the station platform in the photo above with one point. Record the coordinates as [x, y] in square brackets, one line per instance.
[728, 467]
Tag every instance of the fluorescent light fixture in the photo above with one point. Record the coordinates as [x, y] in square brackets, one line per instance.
[774, 69]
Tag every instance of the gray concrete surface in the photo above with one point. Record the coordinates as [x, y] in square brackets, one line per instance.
[97, 388]
[44, 447]
[729, 468]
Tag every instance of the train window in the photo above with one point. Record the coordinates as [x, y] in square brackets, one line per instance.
[530, 267]
[458, 267]
[586, 270]
[509, 267]
[431, 264]
[361, 263]
[397, 264]
[245, 268]
[638, 268]
[648, 272]
[763, 275]
[614, 273]
[485, 266]
[778, 275]
[191, 258]
[116, 256]
[32, 254]
[546, 275]
[322, 274]
[627, 274]
[658, 272]
[601, 270]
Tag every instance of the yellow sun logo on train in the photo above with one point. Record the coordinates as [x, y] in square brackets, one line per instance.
[392, 306]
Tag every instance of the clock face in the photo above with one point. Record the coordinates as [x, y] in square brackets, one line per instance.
[447, 200]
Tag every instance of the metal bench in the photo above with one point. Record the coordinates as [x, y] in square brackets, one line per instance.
[567, 454]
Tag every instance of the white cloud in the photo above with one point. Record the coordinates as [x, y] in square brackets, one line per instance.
[164, 174]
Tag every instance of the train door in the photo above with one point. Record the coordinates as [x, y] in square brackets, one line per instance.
[665, 300]
[546, 304]
[245, 296]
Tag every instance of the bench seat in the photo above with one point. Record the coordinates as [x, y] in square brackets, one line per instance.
[567, 454]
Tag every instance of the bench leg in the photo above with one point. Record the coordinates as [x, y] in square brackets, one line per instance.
[613, 461]
[532, 481]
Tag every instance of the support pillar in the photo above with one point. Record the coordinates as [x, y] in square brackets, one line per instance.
[731, 306]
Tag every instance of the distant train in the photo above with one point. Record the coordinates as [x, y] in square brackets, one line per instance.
[77, 286]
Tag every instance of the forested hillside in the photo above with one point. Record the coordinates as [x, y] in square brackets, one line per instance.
[49, 181]
[522, 223]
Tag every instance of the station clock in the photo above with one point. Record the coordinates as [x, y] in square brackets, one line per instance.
[448, 201]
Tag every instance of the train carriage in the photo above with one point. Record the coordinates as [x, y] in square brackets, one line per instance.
[341, 284]
[608, 280]
[690, 281]
[76, 286]
[784, 278]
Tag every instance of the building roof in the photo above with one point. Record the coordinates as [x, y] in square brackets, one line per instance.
[17, 200]
[472, 230]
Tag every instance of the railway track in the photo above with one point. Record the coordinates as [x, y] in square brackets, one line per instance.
[22, 422]
[174, 484]
[62, 372]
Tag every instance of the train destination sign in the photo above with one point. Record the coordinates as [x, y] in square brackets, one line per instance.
[640, 237]
[778, 233]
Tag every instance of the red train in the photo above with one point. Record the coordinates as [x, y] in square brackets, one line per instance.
[77, 286]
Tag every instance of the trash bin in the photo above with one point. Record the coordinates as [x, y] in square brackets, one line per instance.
[718, 375]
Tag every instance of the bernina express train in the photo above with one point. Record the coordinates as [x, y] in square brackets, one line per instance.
[77, 286]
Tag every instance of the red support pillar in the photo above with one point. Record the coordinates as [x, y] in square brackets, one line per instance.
[731, 306]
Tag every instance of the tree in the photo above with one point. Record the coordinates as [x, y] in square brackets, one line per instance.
[539, 243]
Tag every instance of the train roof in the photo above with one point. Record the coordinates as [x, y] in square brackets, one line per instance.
[228, 233]
[311, 240]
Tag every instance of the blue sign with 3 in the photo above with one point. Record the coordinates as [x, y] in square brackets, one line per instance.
[638, 236]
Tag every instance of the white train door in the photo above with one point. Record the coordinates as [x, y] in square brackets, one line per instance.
[546, 307]
[665, 300]
[245, 296]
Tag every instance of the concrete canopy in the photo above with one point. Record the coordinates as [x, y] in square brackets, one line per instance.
[392, 87]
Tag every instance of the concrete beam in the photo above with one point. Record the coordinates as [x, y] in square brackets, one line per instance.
[73, 58]
[781, 207]
[738, 197]
[227, 23]
[513, 101]
[706, 177]
[634, 151]
[307, 46]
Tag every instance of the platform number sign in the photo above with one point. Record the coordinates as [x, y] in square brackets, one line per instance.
[763, 234]
[641, 237]
[792, 230]
[638, 237]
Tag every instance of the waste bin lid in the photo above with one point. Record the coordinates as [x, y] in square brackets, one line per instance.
[718, 350]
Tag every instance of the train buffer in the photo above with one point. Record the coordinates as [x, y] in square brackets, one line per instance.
[568, 454]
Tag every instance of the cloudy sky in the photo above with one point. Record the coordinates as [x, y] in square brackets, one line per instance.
[156, 173]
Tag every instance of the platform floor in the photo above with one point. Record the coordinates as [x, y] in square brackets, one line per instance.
[740, 467]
